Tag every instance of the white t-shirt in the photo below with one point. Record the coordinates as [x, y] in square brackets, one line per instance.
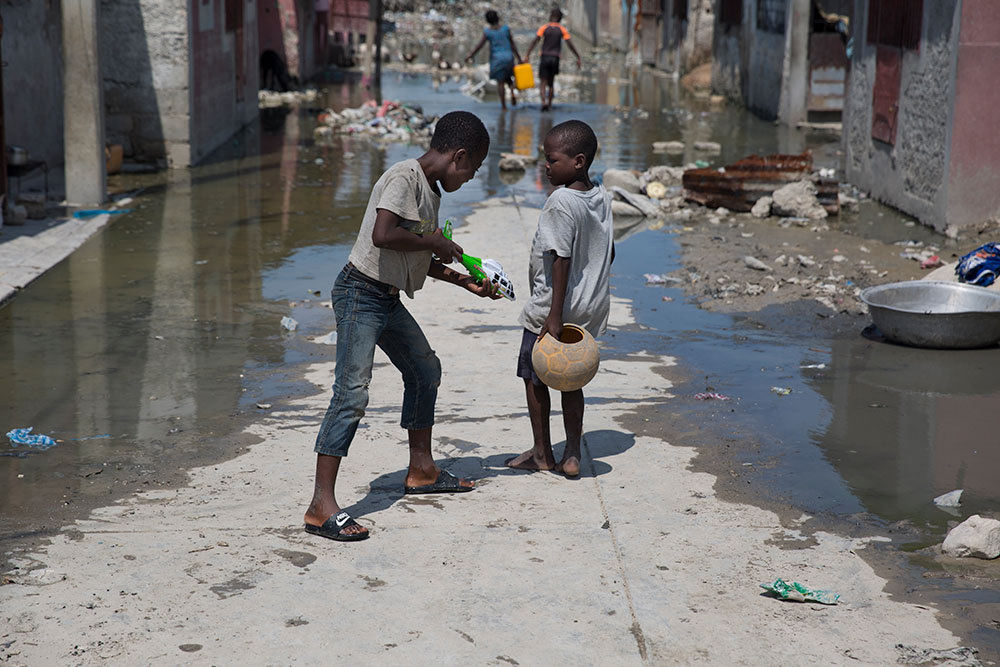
[403, 189]
[576, 225]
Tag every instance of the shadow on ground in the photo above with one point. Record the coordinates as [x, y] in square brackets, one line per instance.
[385, 490]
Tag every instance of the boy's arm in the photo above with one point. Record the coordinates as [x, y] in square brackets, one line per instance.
[527, 56]
[476, 50]
[387, 233]
[439, 271]
[569, 43]
[553, 324]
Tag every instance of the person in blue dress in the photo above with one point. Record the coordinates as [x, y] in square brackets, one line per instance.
[503, 51]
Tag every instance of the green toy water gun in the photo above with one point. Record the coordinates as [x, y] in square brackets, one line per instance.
[484, 269]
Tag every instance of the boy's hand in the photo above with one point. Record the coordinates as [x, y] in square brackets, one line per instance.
[446, 249]
[552, 326]
[483, 289]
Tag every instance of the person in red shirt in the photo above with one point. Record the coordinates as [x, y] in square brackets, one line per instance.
[552, 35]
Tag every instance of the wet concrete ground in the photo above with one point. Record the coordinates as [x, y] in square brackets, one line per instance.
[148, 350]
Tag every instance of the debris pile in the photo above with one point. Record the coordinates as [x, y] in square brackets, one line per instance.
[741, 185]
[390, 121]
[652, 193]
[267, 99]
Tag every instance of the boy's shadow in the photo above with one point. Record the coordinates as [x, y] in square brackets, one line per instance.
[385, 490]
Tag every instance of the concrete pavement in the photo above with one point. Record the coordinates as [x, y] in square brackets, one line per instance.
[635, 563]
[28, 251]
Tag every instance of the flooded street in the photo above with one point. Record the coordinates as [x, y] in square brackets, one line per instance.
[150, 349]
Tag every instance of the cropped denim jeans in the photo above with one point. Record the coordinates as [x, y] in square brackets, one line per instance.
[370, 314]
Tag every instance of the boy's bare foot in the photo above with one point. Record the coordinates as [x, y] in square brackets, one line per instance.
[569, 466]
[529, 461]
[422, 479]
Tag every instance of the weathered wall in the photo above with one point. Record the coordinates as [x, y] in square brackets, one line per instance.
[32, 79]
[581, 20]
[973, 195]
[765, 66]
[729, 58]
[225, 75]
[687, 42]
[145, 58]
[910, 175]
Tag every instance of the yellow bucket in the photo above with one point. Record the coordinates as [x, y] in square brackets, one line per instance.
[524, 77]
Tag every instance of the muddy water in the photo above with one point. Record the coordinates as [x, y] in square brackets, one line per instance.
[150, 348]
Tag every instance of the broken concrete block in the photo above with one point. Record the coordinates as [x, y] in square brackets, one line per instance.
[977, 537]
[798, 200]
[623, 209]
[622, 178]
[761, 208]
[708, 146]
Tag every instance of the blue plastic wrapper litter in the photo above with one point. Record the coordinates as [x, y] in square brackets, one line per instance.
[799, 593]
[980, 266]
[24, 436]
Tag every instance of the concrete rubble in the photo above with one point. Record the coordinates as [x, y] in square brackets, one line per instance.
[976, 537]
[390, 121]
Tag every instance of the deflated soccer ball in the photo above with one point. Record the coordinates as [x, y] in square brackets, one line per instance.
[569, 363]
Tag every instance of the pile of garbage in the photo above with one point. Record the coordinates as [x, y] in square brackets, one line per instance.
[390, 121]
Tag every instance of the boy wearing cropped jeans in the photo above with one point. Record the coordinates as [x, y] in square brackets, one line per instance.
[394, 252]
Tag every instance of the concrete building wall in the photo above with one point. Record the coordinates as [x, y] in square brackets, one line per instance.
[225, 75]
[145, 59]
[730, 53]
[32, 78]
[581, 20]
[765, 68]
[687, 42]
[288, 27]
[912, 173]
[973, 194]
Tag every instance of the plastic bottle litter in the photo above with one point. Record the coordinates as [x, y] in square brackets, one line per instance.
[90, 213]
[798, 593]
[781, 391]
[950, 499]
[288, 324]
[24, 436]
[711, 396]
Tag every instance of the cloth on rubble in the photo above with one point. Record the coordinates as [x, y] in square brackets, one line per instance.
[980, 266]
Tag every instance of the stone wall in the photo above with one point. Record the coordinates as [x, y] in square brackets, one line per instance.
[33, 78]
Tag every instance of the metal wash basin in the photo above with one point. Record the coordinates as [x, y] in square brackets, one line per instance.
[926, 313]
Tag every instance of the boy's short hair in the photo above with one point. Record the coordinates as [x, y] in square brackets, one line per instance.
[460, 129]
[555, 15]
[492, 17]
[575, 136]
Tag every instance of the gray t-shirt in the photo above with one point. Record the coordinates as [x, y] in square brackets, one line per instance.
[577, 225]
[403, 189]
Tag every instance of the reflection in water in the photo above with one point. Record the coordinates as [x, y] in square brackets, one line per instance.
[910, 424]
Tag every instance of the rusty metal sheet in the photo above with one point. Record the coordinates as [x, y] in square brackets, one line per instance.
[741, 184]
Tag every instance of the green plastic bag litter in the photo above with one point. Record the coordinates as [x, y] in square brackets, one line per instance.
[799, 593]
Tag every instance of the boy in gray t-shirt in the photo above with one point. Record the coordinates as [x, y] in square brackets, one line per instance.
[569, 273]
[394, 252]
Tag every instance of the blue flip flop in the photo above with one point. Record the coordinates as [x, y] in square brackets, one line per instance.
[445, 483]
